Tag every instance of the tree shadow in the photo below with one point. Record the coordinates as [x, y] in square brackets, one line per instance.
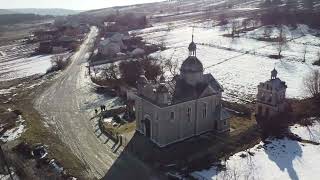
[283, 152]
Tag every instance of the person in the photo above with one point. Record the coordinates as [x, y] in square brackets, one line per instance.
[96, 111]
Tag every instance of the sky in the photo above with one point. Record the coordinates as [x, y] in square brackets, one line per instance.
[68, 4]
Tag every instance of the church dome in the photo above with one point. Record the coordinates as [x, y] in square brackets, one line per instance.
[192, 64]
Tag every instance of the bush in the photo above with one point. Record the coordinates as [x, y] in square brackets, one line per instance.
[58, 63]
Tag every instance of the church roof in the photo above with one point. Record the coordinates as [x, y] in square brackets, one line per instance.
[184, 92]
[192, 64]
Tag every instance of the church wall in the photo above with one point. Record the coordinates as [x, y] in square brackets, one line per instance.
[206, 123]
[165, 130]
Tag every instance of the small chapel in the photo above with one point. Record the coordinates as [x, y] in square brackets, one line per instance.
[189, 105]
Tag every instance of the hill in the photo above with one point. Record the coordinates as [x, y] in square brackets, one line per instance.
[43, 12]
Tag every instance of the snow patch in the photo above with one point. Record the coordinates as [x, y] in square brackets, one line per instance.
[281, 159]
[14, 133]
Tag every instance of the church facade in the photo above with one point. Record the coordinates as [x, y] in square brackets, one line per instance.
[190, 105]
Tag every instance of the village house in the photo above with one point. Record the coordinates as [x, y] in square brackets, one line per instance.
[271, 97]
[190, 105]
[111, 46]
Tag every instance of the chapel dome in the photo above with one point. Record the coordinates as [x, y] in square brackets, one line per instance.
[192, 64]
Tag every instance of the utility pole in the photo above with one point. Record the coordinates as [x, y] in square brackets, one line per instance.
[5, 164]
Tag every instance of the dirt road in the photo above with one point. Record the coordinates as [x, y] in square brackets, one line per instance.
[68, 106]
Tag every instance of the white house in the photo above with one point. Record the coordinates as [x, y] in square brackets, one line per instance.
[112, 45]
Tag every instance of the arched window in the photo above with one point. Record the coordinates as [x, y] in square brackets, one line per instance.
[204, 110]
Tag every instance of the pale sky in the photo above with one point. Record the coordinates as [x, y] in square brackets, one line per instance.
[68, 4]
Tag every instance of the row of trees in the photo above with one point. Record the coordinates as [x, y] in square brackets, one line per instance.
[291, 4]
[129, 71]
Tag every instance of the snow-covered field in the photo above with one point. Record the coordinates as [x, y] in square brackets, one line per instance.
[240, 64]
[25, 67]
[280, 159]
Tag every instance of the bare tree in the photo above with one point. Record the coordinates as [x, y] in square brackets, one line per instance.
[170, 26]
[312, 84]
[245, 23]
[171, 66]
[58, 63]
[267, 32]
[282, 42]
[304, 53]
[112, 72]
[234, 28]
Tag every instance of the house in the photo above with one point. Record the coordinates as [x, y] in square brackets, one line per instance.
[112, 45]
[46, 35]
[45, 47]
[271, 97]
[190, 105]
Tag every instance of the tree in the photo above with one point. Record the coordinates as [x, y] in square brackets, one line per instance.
[171, 66]
[111, 72]
[234, 28]
[267, 32]
[281, 41]
[58, 63]
[309, 4]
[291, 5]
[130, 72]
[312, 84]
[152, 68]
[304, 53]
[223, 20]
[245, 23]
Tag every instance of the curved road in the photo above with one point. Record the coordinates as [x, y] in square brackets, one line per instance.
[67, 107]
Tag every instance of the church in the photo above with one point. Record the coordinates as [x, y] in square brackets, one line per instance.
[190, 105]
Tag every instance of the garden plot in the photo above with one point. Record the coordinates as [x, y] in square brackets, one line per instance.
[278, 159]
[240, 64]
[24, 67]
